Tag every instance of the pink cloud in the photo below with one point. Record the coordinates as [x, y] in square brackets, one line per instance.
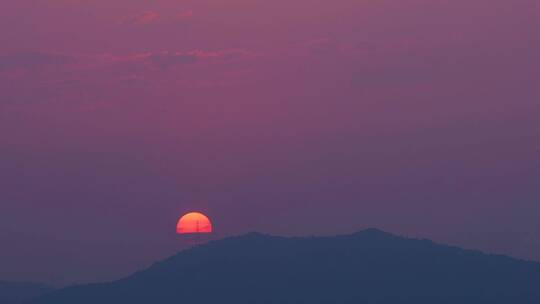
[185, 14]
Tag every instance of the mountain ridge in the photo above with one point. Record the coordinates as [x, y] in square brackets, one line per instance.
[369, 266]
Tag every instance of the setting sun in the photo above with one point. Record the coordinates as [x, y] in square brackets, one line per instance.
[194, 222]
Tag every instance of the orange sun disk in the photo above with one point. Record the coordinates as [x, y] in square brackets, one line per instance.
[194, 222]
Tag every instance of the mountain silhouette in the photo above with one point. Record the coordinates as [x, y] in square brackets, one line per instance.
[18, 292]
[370, 266]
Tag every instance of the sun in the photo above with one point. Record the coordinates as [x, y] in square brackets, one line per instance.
[194, 222]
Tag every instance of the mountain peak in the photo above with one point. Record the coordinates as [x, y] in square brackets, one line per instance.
[255, 234]
[372, 231]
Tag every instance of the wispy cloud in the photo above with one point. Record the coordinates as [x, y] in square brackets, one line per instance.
[167, 59]
[32, 72]
[153, 17]
[32, 60]
[146, 17]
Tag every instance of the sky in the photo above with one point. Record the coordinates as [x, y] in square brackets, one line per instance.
[289, 117]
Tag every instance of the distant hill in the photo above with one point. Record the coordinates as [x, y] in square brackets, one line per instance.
[16, 292]
[366, 267]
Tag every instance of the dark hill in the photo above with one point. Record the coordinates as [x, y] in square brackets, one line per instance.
[367, 267]
[18, 292]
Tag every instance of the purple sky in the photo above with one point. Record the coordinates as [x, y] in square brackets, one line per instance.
[291, 117]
